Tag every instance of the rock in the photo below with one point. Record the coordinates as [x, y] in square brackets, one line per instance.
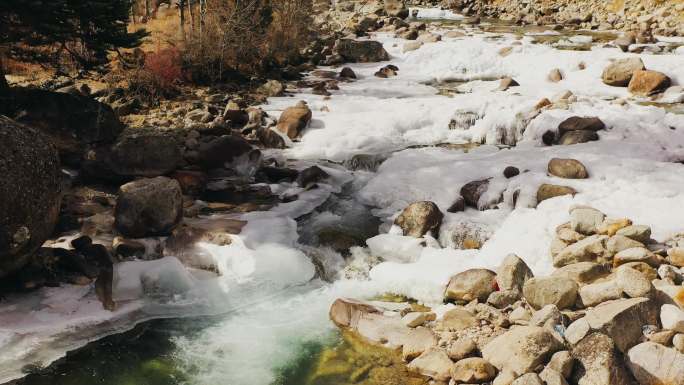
[598, 362]
[582, 272]
[675, 256]
[596, 293]
[473, 370]
[73, 123]
[396, 8]
[470, 285]
[645, 83]
[345, 313]
[311, 175]
[636, 254]
[347, 73]
[522, 349]
[567, 235]
[222, 151]
[387, 71]
[549, 315]
[619, 73]
[678, 342]
[148, 207]
[528, 379]
[434, 363]
[624, 41]
[419, 218]
[655, 364]
[672, 318]
[520, 316]
[428, 37]
[513, 273]
[272, 88]
[294, 119]
[472, 192]
[411, 46]
[617, 243]
[586, 220]
[558, 291]
[610, 226]
[555, 75]
[507, 83]
[146, 155]
[620, 320]
[192, 183]
[562, 362]
[457, 319]
[548, 191]
[633, 282]
[510, 172]
[462, 348]
[577, 137]
[589, 249]
[128, 248]
[639, 233]
[415, 319]
[552, 377]
[567, 168]
[457, 206]
[31, 193]
[270, 138]
[360, 51]
[577, 123]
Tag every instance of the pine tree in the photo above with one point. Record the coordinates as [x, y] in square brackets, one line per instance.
[42, 30]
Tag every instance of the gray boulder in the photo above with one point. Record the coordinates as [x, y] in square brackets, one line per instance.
[148, 207]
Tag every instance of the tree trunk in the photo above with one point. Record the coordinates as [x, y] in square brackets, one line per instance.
[4, 86]
[181, 14]
[147, 9]
[192, 17]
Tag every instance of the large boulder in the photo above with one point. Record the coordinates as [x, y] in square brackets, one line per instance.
[72, 122]
[548, 191]
[419, 218]
[152, 206]
[599, 362]
[294, 119]
[655, 364]
[645, 83]
[619, 72]
[30, 192]
[146, 155]
[579, 123]
[396, 8]
[522, 349]
[222, 150]
[621, 320]
[360, 51]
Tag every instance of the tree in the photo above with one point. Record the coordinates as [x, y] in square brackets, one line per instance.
[42, 30]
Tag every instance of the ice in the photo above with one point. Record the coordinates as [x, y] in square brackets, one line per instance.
[435, 13]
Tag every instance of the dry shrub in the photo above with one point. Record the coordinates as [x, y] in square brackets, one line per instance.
[247, 36]
[160, 76]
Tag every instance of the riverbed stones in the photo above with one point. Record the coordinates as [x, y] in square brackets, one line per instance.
[548, 191]
[617, 243]
[294, 120]
[473, 370]
[582, 272]
[434, 363]
[596, 293]
[599, 362]
[639, 233]
[633, 282]
[146, 155]
[151, 206]
[360, 51]
[528, 379]
[621, 320]
[31, 194]
[655, 364]
[507, 83]
[222, 151]
[579, 123]
[645, 82]
[567, 168]
[558, 291]
[512, 275]
[619, 72]
[470, 285]
[411, 46]
[672, 318]
[461, 348]
[589, 249]
[636, 254]
[473, 191]
[419, 218]
[522, 349]
[346, 312]
[577, 137]
[562, 362]
[457, 319]
[586, 220]
[555, 75]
